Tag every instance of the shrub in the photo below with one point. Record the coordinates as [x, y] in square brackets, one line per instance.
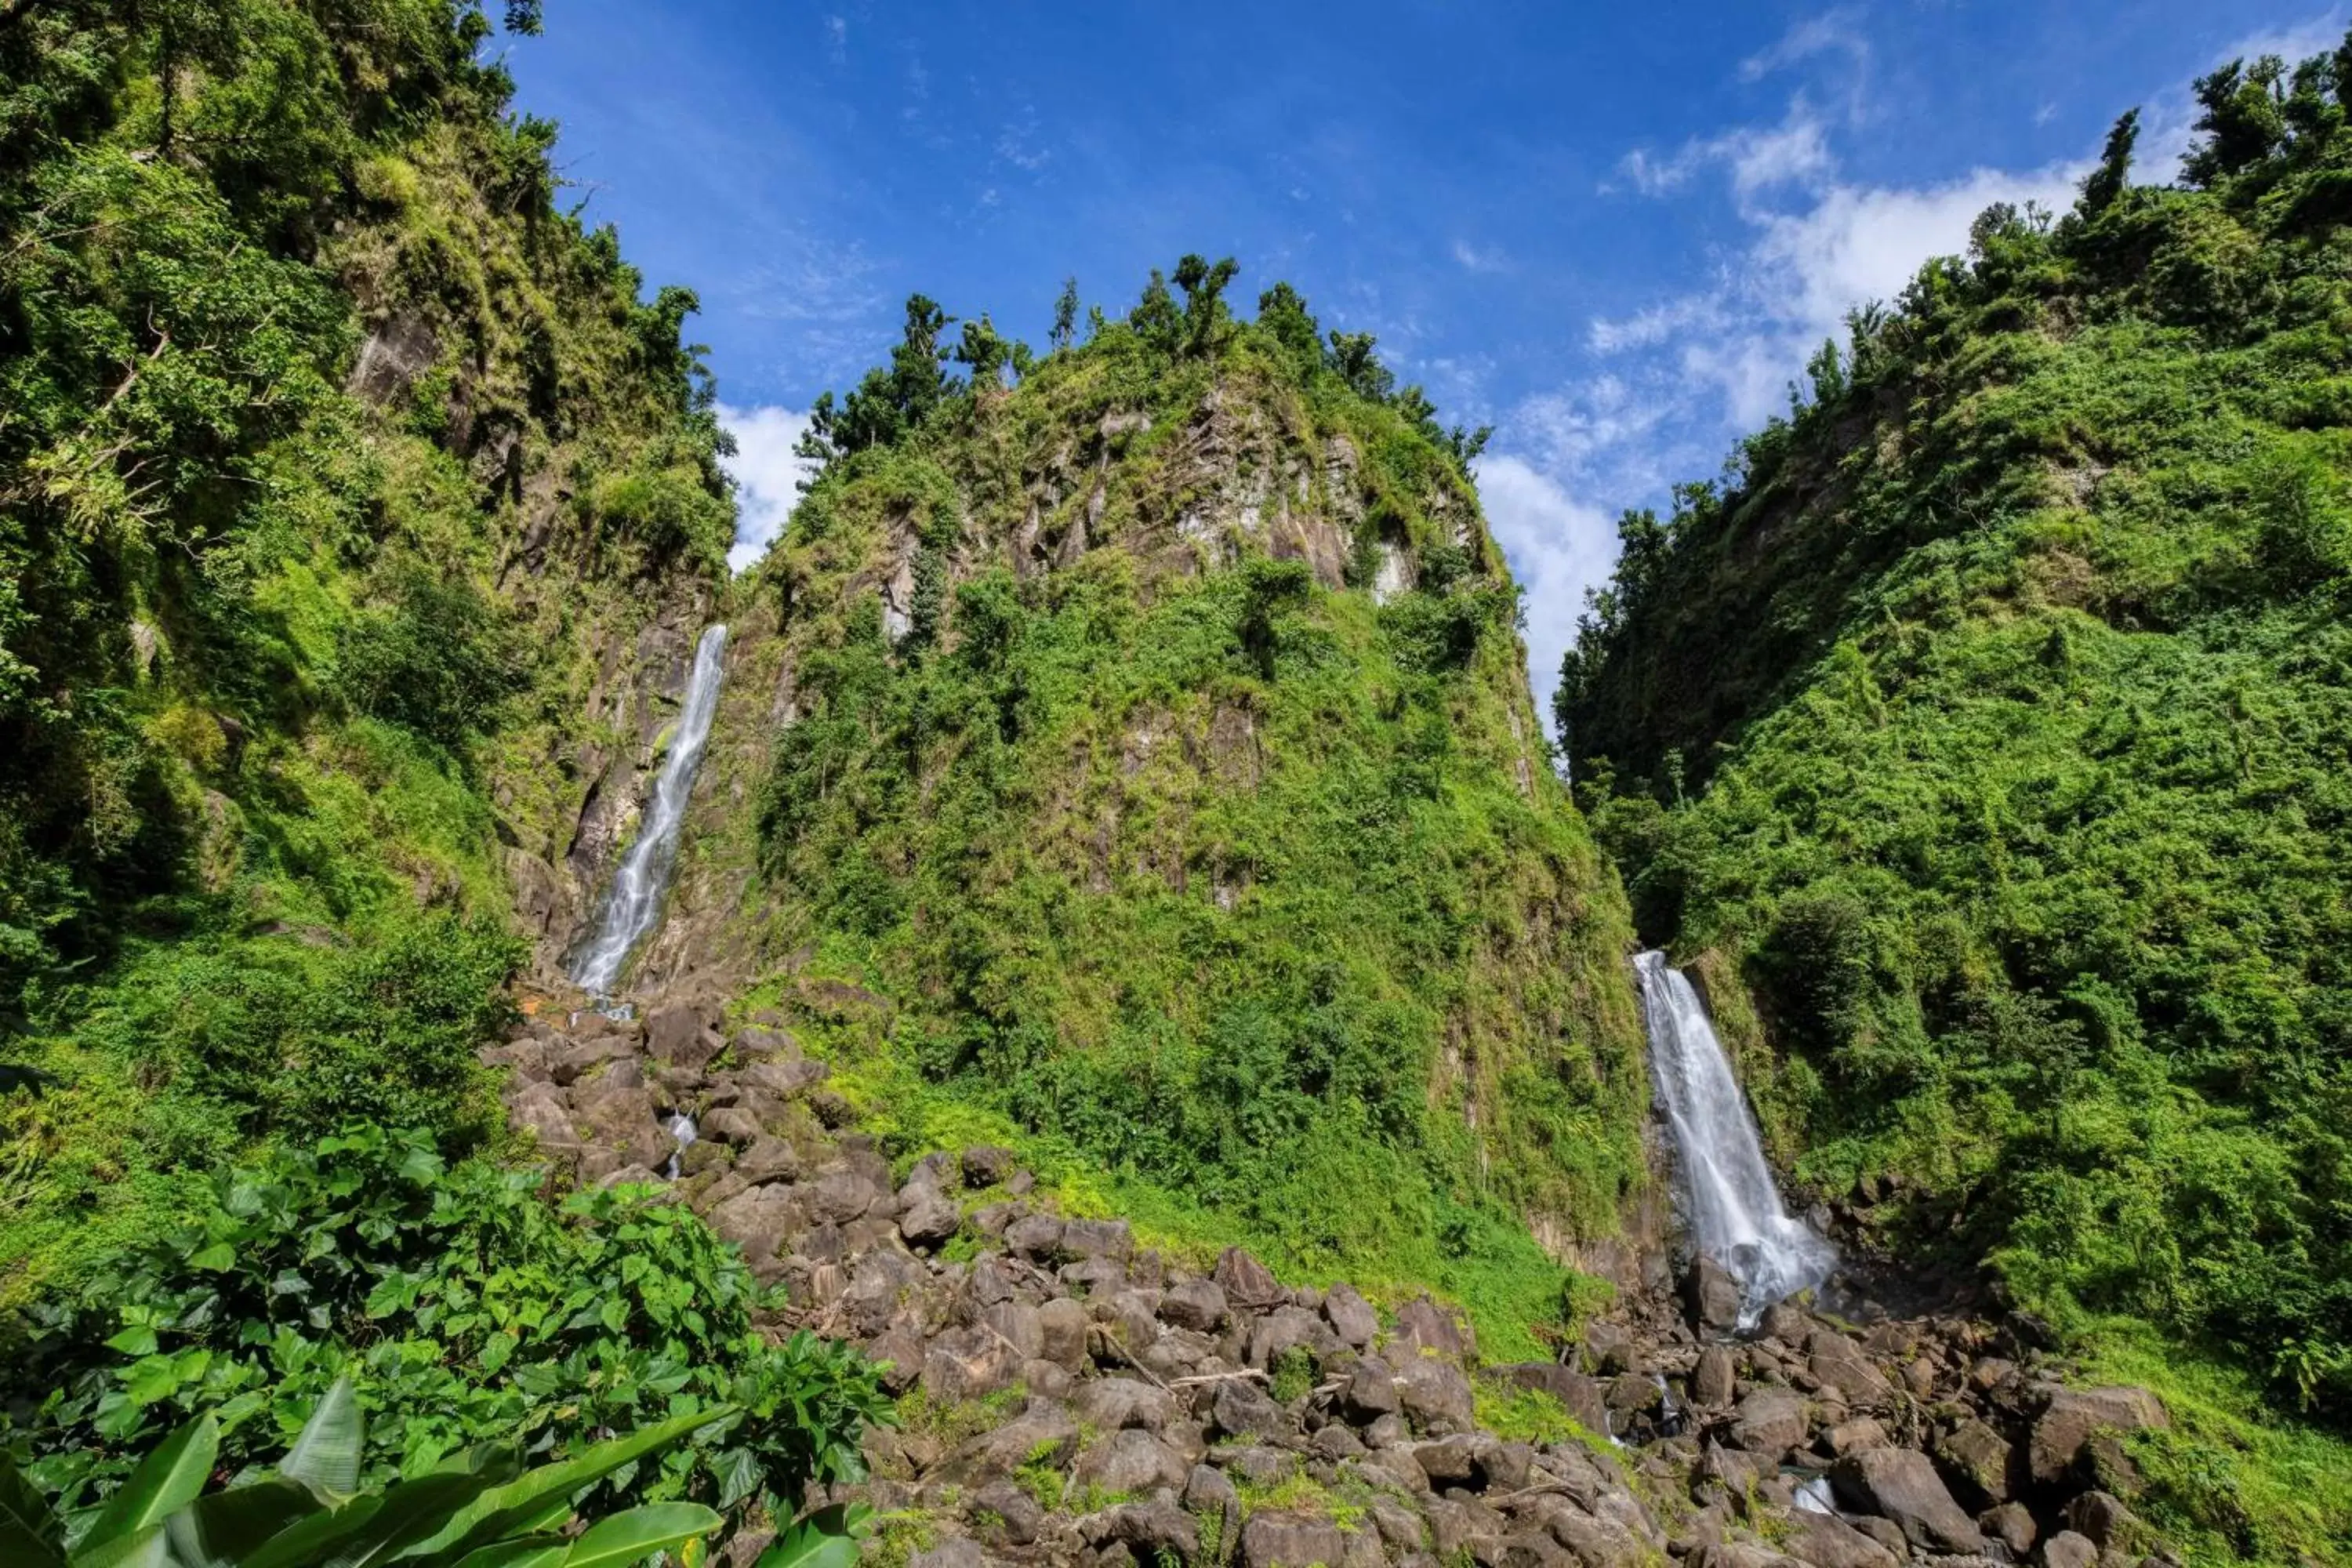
[464, 1305]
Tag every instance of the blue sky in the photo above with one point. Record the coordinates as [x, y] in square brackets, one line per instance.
[1615, 232]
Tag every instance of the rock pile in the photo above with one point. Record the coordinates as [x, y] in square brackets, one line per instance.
[1073, 1398]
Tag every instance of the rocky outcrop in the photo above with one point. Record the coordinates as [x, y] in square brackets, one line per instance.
[1224, 1417]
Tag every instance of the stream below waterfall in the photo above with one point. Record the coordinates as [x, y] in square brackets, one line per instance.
[1729, 1201]
[633, 906]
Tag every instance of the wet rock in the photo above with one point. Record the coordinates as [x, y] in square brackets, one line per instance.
[2074, 1414]
[1771, 1421]
[1195, 1304]
[1276, 1540]
[1247, 1283]
[1901, 1484]
[1711, 1296]
[1242, 1408]
[1131, 1460]
[731, 1124]
[1350, 1316]
[2010, 1525]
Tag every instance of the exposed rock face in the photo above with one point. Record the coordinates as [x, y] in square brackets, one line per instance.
[1901, 1484]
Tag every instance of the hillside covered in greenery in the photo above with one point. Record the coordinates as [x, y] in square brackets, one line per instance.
[1986, 725]
[1157, 744]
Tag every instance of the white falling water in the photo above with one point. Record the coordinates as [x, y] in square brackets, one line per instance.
[1733, 1210]
[633, 907]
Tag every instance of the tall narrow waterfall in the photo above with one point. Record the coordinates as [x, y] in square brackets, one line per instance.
[1734, 1212]
[633, 907]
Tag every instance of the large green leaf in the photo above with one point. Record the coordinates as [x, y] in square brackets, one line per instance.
[412, 1511]
[630, 1536]
[826, 1539]
[522, 1504]
[167, 1479]
[308, 1540]
[143, 1548]
[326, 1455]
[221, 1530]
[30, 1533]
[524, 1552]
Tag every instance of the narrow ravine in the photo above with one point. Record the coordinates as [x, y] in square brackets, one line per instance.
[1730, 1203]
[633, 905]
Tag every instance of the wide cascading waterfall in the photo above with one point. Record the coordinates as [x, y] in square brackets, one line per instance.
[633, 906]
[1734, 1209]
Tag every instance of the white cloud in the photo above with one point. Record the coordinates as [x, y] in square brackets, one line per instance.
[1761, 157]
[1472, 260]
[1818, 34]
[767, 476]
[1558, 547]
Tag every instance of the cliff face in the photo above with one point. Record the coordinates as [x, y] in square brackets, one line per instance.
[1151, 743]
[1987, 730]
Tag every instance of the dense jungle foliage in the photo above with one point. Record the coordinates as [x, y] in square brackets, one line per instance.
[327, 442]
[1185, 797]
[1988, 721]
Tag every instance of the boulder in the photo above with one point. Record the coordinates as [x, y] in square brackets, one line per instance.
[1018, 1518]
[1063, 1324]
[679, 1037]
[929, 1220]
[1434, 1395]
[1247, 1283]
[538, 1110]
[2102, 1517]
[785, 1080]
[1108, 1238]
[1371, 1391]
[567, 1063]
[1242, 1408]
[1037, 1236]
[1769, 1422]
[1853, 1436]
[952, 1551]
[1156, 1532]
[1985, 1465]
[732, 1124]
[1425, 1327]
[986, 1166]
[1043, 1431]
[1711, 1296]
[1195, 1304]
[1350, 1316]
[838, 1197]
[898, 1350]
[1714, 1379]
[1583, 1396]
[1278, 1539]
[1901, 1484]
[1827, 1541]
[2010, 1525]
[1131, 1460]
[1287, 1329]
[1108, 1404]
[969, 1362]
[2075, 1414]
[2068, 1549]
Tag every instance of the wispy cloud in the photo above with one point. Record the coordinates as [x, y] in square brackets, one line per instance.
[1759, 157]
[1559, 547]
[767, 476]
[1839, 30]
[1472, 260]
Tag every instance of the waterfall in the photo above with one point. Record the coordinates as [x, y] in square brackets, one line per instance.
[633, 907]
[1733, 1210]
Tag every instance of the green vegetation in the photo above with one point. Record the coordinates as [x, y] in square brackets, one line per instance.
[465, 1305]
[335, 465]
[1164, 837]
[1987, 728]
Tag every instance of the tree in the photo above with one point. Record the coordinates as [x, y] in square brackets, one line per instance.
[1204, 308]
[1282, 311]
[986, 352]
[1066, 315]
[1360, 367]
[1155, 319]
[2244, 121]
[2107, 181]
[888, 402]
